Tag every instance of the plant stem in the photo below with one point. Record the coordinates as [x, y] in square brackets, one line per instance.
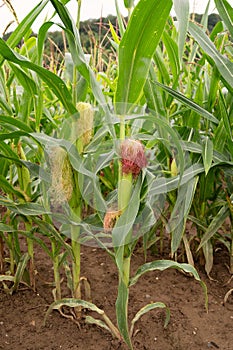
[24, 183]
[76, 205]
[78, 14]
[56, 273]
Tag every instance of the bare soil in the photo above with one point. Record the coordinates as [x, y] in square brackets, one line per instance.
[190, 327]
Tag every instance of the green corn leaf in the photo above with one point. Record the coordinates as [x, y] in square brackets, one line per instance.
[187, 102]
[20, 271]
[6, 278]
[161, 66]
[25, 25]
[177, 221]
[148, 308]
[52, 80]
[15, 122]
[41, 39]
[121, 312]
[9, 189]
[224, 66]
[99, 323]
[215, 224]
[136, 50]
[163, 185]
[181, 8]
[79, 60]
[27, 83]
[207, 154]
[6, 228]
[225, 117]
[129, 3]
[119, 19]
[225, 10]
[46, 227]
[172, 51]
[162, 265]
[13, 135]
[71, 302]
[4, 105]
[209, 257]
[220, 137]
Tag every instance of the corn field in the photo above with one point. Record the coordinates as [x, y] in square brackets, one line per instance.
[118, 150]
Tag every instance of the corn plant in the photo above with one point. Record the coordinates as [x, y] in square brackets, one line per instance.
[160, 132]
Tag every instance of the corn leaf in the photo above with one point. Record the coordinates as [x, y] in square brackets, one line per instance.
[207, 154]
[148, 308]
[224, 66]
[4, 105]
[225, 10]
[25, 25]
[177, 221]
[119, 19]
[27, 83]
[215, 224]
[121, 312]
[181, 8]
[16, 122]
[21, 266]
[172, 51]
[79, 60]
[163, 185]
[136, 50]
[52, 80]
[71, 302]
[162, 265]
[187, 102]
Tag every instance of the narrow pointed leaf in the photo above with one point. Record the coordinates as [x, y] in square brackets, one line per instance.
[223, 64]
[207, 154]
[215, 224]
[187, 102]
[25, 25]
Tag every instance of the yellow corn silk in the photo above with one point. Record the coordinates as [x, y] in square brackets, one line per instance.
[61, 177]
[84, 126]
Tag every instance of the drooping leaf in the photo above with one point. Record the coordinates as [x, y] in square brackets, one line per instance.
[187, 102]
[148, 308]
[25, 25]
[162, 265]
[223, 64]
[52, 80]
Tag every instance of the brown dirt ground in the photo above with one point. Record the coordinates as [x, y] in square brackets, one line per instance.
[190, 327]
